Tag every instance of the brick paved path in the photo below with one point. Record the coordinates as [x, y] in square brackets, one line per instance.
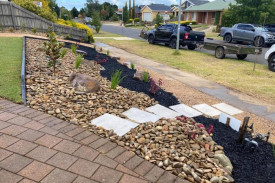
[36, 147]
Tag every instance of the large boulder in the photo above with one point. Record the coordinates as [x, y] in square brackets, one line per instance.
[224, 161]
[84, 83]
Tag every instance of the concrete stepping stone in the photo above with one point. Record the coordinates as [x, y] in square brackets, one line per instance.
[110, 122]
[234, 123]
[140, 116]
[162, 111]
[227, 109]
[206, 109]
[185, 110]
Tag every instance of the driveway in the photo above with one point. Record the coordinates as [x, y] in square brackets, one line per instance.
[134, 33]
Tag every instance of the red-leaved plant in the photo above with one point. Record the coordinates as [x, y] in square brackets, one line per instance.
[210, 129]
[155, 87]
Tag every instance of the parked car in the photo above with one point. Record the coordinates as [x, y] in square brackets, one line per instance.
[270, 27]
[256, 34]
[167, 34]
[270, 57]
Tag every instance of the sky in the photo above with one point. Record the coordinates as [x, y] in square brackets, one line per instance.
[69, 4]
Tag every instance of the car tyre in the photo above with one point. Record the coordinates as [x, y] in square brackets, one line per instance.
[228, 38]
[241, 56]
[259, 42]
[173, 43]
[271, 63]
[219, 52]
[151, 39]
[191, 47]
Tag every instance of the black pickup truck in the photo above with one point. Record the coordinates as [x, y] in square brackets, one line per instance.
[167, 34]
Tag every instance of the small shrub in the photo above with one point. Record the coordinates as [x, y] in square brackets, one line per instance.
[73, 47]
[108, 52]
[63, 53]
[155, 87]
[10, 29]
[96, 22]
[116, 79]
[78, 61]
[68, 36]
[145, 77]
[23, 27]
[95, 47]
[34, 30]
[133, 67]
[136, 20]
[1, 27]
[53, 50]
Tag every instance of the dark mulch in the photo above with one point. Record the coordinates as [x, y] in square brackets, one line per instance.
[111, 65]
[249, 167]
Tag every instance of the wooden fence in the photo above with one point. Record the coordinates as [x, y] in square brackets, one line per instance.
[12, 15]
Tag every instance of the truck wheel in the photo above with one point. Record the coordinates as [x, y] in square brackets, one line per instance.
[271, 63]
[241, 56]
[228, 38]
[151, 39]
[219, 53]
[191, 46]
[173, 43]
[259, 41]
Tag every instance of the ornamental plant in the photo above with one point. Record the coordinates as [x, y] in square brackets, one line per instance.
[133, 67]
[63, 53]
[116, 79]
[73, 47]
[108, 52]
[34, 30]
[145, 77]
[155, 87]
[78, 61]
[53, 50]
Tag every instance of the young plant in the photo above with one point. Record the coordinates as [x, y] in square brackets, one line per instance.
[95, 47]
[23, 27]
[53, 50]
[108, 52]
[34, 30]
[63, 53]
[116, 79]
[78, 61]
[133, 67]
[155, 87]
[145, 77]
[1, 27]
[73, 47]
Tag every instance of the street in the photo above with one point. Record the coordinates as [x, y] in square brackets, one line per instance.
[134, 33]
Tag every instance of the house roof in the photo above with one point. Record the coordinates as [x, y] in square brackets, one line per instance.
[158, 7]
[138, 8]
[193, 3]
[212, 6]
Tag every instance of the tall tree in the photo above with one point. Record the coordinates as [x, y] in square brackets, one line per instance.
[92, 6]
[130, 9]
[125, 13]
[74, 12]
[134, 10]
[250, 11]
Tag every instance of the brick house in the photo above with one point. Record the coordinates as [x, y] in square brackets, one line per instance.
[186, 4]
[206, 13]
[149, 12]
[138, 13]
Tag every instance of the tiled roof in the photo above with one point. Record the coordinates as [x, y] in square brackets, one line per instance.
[212, 6]
[159, 7]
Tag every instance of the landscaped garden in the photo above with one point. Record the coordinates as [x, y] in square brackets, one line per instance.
[10, 68]
[193, 151]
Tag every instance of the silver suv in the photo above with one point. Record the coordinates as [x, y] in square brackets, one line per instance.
[256, 34]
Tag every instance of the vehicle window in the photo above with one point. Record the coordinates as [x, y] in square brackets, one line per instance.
[248, 27]
[241, 26]
[162, 27]
[169, 27]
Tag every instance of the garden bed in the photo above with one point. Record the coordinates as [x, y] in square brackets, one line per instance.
[56, 96]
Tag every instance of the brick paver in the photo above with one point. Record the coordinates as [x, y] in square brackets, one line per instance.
[37, 147]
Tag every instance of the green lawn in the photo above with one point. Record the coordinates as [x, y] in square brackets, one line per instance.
[104, 34]
[10, 68]
[231, 73]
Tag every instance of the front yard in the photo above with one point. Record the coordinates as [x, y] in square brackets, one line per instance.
[231, 73]
[10, 68]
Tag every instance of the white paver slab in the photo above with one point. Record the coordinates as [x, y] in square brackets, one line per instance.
[162, 111]
[227, 109]
[110, 122]
[141, 116]
[185, 110]
[208, 110]
[234, 123]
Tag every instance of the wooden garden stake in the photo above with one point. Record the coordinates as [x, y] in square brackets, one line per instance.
[227, 122]
[243, 129]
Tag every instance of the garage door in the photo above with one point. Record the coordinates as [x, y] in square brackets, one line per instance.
[147, 17]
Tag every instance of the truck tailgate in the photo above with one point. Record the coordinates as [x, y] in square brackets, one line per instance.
[196, 36]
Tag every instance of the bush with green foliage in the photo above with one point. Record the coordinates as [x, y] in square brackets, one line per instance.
[53, 50]
[74, 48]
[78, 61]
[44, 12]
[96, 22]
[34, 30]
[115, 17]
[63, 52]
[11, 29]
[146, 77]
[133, 67]
[217, 18]
[23, 27]
[116, 79]
[136, 20]
[158, 20]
